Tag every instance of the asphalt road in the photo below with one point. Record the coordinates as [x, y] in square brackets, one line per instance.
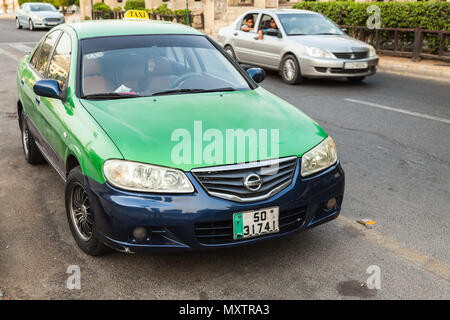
[393, 141]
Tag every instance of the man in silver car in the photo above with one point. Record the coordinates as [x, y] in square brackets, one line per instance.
[299, 44]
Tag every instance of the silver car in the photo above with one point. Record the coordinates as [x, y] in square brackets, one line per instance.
[34, 15]
[300, 44]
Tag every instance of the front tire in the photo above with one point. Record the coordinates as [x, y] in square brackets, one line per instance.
[290, 70]
[230, 51]
[80, 215]
[30, 25]
[30, 149]
[18, 26]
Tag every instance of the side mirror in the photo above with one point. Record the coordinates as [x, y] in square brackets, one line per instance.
[344, 30]
[274, 33]
[47, 88]
[256, 74]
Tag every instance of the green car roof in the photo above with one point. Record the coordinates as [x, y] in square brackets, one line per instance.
[104, 28]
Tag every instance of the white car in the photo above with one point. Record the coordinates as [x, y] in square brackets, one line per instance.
[33, 15]
[300, 44]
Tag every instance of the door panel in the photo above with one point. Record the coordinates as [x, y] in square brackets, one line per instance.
[267, 51]
[242, 41]
[54, 110]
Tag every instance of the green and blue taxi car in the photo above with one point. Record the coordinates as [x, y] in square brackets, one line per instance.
[160, 137]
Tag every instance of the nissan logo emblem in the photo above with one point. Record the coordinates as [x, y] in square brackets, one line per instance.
[253, 182]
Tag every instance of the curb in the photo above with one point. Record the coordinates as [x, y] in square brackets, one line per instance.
[437, 74]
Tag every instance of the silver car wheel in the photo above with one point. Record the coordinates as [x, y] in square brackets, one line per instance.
[30, 25]
[17, 23]
[82, 218]
[289, 69]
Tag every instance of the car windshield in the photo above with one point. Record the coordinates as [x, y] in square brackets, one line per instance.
[42, 7]
[154, 65]
[308, 24]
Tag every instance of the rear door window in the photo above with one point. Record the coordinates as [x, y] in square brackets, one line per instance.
[60, 63]
[45, 52]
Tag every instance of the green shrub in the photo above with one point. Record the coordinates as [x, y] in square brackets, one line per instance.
[100, 6]
[182, 13]
[162, 9]
[117, 9]
[426, 15]
[134, 5]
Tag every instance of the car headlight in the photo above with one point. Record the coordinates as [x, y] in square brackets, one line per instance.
[372, 51]
[318, 53]
[137, 176]
[320, 157]
[37, 18]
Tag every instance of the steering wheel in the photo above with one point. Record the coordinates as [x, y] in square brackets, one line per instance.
[177, 83]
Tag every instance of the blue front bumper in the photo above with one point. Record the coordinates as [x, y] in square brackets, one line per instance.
[199, 221]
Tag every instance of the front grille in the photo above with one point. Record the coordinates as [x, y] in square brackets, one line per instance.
[227, 182]
[352, 55]
[51, 19]
[221, 232]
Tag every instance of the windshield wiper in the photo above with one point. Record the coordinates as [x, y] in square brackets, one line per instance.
[110, 95]
[182, 91]
[325, 34]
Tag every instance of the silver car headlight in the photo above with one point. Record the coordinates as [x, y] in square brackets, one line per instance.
[137, 176]
[37, 18]
[372, 51]
[320, 157]
[318, 53]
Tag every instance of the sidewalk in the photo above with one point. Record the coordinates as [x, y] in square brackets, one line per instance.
[8, 15]
[429, 69]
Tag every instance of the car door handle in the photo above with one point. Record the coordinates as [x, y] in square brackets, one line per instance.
[38, 100]
[235, 33]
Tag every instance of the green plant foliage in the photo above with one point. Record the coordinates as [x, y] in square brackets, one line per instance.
[100, 6]
[162, 9]
[134, 5]
[425, 15]
[182, 13]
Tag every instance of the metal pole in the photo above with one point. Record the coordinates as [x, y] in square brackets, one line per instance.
[187, 13]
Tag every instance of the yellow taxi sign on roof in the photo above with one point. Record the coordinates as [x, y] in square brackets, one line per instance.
[136, 15]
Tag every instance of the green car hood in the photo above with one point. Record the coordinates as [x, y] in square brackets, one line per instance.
[142, 127]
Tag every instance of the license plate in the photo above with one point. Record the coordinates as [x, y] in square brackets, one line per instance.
[255, 223]
[355, 65]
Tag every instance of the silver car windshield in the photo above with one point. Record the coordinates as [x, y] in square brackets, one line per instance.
[42, 7]
[308, 24]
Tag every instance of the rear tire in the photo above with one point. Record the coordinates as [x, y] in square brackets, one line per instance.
[356, 79]
[32, 153]
[80, 216]
[290, 70]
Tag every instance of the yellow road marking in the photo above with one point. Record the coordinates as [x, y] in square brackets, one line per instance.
[426, 263]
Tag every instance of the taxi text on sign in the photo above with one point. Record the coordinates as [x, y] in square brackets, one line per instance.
[136, 15]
